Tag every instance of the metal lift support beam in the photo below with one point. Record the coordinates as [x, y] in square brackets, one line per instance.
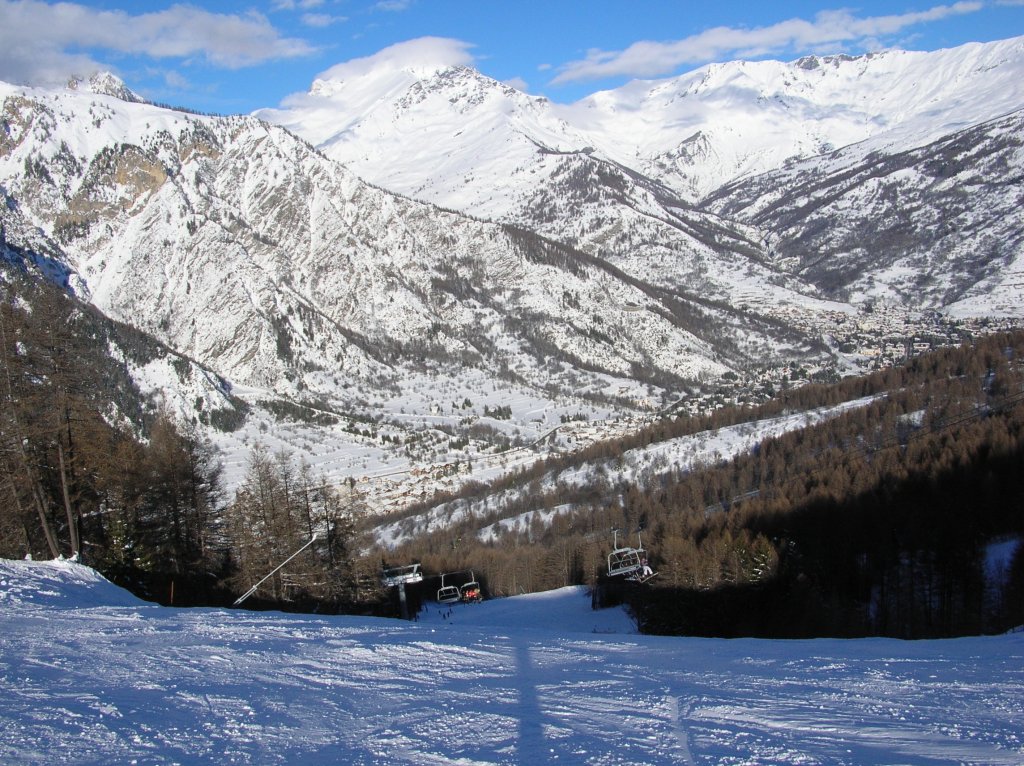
[252, 590]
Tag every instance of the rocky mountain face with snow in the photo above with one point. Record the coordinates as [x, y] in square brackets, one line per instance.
[725, 179]
[936, 226]
[419, 243]
[243, 249]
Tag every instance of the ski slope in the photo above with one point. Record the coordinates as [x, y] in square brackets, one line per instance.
[90, 675]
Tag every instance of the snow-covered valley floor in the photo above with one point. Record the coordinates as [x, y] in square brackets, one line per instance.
[90, 675]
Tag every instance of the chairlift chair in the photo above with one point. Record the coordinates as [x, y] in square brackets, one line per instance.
[448, 594]
[470, 592]
[625, 561]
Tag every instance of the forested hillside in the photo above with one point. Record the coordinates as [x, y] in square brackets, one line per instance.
[877, 521]
[92, 468]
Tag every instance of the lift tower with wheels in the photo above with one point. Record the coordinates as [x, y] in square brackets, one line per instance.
[399, 577]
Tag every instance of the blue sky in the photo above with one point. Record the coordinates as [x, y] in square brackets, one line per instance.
[231, 56]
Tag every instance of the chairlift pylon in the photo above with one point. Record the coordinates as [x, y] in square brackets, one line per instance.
[401, 575]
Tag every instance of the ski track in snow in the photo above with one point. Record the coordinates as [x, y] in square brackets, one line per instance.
[92, 676]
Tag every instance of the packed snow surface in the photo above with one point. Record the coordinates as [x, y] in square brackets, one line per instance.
[91, 675]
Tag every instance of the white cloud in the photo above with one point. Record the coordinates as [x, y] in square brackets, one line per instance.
[421, 53]
[40, 43]
[321, 20]
[421, 57]
[176, 80]
[651, 59]
[518, 83]
[393, 5]
[291, 5]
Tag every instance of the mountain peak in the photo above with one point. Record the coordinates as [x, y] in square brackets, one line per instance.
[811, 63]
[106, 84]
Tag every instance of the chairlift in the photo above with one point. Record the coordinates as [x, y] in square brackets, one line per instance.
[470, 592]
[448, 594]
[402, 575]
[629, 562]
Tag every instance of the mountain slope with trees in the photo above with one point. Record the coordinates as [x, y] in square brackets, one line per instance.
[876, 521]
[92, 469]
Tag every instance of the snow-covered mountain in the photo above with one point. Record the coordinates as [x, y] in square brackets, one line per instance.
[323, 298]
[627, 175]
[413, 120]
[234, 241]
[701, 130]
[439, 247]
[937, 225]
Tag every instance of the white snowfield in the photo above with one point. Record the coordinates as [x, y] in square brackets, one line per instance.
[90, 675]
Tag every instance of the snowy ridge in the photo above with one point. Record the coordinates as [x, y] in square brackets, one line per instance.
[693, 132]
[754, 115]
[386, 119]
[106, 84]
[624, 174]
[121, 682]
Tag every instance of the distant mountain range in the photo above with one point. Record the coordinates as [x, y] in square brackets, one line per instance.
[754, 159]
[412, 247]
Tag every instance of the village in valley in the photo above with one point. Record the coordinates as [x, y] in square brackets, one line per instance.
[876, 337]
